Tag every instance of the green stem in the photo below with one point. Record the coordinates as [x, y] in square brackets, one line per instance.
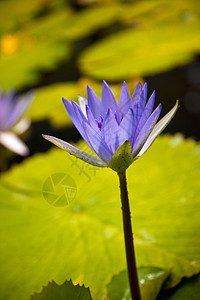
[128, 237]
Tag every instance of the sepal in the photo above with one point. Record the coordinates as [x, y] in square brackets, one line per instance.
[122, 158]
[75, 151]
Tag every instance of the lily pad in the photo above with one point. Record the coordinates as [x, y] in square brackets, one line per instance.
[83, 238]
[34, 48]
[48, 103]
[67, 290]
[15, 15]
[157, 41]
[151, 281]
[188, 289]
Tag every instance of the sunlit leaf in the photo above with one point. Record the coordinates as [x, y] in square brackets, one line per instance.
[35, 48]
[90, 20]
[48, 103]
[61, 219]
[14, 15]
[155, 42]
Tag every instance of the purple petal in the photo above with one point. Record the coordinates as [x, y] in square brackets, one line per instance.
[108, 100]
[160, 126]
[93, 123]
[144, 95]
[75, 151]
[139, 104]
[19, 108]
[80, 115]
[145, 115]
[98, 144]
[124, 100]
[126, 128]
[7, 98]
[145, 131]
[136, 94]
[7, 104]
[76, 119]
[137, 111]
[93, 103]
[82, 119]
[69, 109]
[109, 130]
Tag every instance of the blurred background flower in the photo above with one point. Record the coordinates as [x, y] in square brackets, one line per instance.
[12, 108]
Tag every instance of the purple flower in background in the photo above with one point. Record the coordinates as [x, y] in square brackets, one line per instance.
[12, 109]
[117, 133]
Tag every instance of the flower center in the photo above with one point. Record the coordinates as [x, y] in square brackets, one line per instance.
[99, 125]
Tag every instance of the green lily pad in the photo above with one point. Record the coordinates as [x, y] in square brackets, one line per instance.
[188, 289]
[82, 238]
[48, 103]
[67, 290]
[90, 20]
[151, 281]
[157, 41]
[35, 48]
[15, 15]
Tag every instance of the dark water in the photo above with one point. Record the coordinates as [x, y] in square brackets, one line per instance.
[182, 83]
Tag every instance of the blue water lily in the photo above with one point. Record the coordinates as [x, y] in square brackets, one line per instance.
[117, 133]
[12, 108]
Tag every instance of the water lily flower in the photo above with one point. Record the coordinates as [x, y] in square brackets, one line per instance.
[117, 133]
[12, 108]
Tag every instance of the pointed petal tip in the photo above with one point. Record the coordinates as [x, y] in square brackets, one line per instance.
[46, 137]
[49, 138]
[90, 93]
[88, 88]
[124, 86]
[139, 84]
[105, 83]
[145, 89]
[175, 108]
[177, 104]
[73, 102]
[64, 100]
[159, 107]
